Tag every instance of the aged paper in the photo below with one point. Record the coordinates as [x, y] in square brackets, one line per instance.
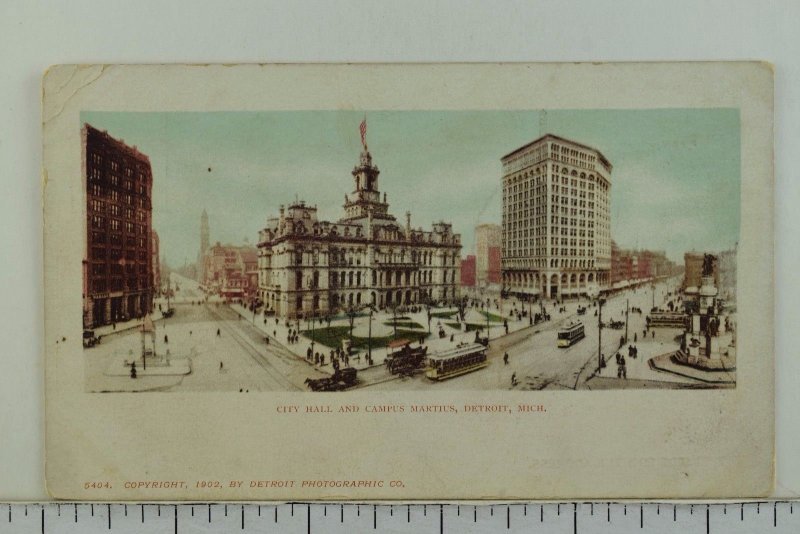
[397, 282]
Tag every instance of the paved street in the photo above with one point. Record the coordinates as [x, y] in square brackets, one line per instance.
[247, 363]
[240, 359]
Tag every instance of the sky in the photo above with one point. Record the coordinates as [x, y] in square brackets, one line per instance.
[675, 179]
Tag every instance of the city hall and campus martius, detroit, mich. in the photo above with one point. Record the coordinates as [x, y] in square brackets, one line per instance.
[308, 267]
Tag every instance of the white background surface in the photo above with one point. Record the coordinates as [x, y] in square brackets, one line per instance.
[34, 35]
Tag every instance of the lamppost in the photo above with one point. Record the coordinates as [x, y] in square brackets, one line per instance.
[654, 294]
[627, 313]
[600, 301]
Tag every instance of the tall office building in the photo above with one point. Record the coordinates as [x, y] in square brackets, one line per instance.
[118, 259]
[487, 244]
[556, 231]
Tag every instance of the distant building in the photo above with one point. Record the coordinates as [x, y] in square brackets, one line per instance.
[118, 254]
[495, 273]
[230, 270]
[156, 265]
[727, 274]
[487, 237]
[311, 267]
[556, 231]
[468, 278]
[632, 267]
[693, 272]
[205, 235]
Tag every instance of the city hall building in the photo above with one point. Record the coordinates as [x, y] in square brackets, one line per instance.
[556, 228]
[311, 267]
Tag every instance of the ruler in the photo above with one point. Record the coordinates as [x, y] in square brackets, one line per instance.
[304, 518]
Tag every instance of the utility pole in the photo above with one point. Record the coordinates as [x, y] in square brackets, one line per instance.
[600, 362]
[627, 313]
[369, 336]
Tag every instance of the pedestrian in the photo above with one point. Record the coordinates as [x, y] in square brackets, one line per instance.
[220, 366]
[322, 359]
[505, 358]
[218, 334]
[513, 379]
[113, 326]
[654, 334]
[635, 337]
[166, 338]
[623, 371]
[316, 359]
[452, 337]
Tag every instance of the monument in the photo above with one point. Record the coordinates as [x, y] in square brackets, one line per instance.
[708, 343]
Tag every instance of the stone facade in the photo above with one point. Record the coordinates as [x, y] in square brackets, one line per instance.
[311, 267]
[556, 219]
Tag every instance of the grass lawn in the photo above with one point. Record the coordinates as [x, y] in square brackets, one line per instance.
[332, 337]
[492, 316]
[444, 314]
[407, 323]
[471, 327]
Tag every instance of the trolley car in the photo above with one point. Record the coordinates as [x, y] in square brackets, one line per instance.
[571, 334]
[464, 358]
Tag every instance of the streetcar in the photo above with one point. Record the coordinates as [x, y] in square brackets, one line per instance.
[464, 358]
[570, 334]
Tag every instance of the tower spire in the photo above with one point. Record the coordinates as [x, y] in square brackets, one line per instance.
[363, 129]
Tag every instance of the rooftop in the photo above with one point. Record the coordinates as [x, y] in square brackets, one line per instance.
[563, 140]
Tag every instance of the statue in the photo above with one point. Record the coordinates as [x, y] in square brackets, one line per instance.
[708, 264]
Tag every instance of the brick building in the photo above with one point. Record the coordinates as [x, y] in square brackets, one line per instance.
[230, 271]
[118, 255]
[468, 270]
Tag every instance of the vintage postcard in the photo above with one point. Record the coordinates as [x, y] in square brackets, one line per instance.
[397, 282]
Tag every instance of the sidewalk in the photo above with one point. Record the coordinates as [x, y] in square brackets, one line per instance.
[107, 330]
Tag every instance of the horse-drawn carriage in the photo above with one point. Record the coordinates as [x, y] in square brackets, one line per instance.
[616, 325]
[90, 339]
[340, 380]
[581, 310]
[405, 359]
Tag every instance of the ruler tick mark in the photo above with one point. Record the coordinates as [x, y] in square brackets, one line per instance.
[242, 517]
[508, 517]
[142, 507]
[42, 519]
[708, 520]
[441, 519]
[374, 517]
[641, 516]
[108, 509]
[674, 513]
[574, 518]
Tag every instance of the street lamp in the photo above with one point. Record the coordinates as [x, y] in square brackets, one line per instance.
[600, 301]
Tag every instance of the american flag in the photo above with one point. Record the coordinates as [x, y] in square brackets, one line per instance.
[363, 129]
